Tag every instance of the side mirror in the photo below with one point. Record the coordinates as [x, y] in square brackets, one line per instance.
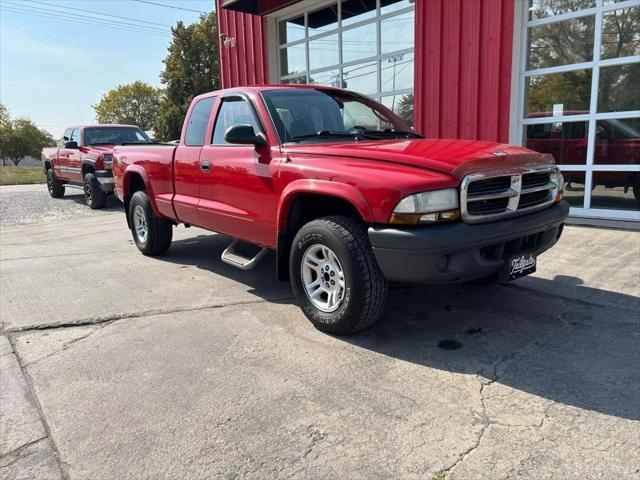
[244, 135]
[73, 145]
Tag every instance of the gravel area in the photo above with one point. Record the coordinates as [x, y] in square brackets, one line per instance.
[20, 204]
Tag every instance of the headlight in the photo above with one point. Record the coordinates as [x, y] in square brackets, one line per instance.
[558, 179]
[427, 207]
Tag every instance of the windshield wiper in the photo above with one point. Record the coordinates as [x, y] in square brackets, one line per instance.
[394, 132]
[328, 133]
[101, 143]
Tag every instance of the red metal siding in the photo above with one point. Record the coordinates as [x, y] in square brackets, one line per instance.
[463, 56]
[463, 64]
[246, 63]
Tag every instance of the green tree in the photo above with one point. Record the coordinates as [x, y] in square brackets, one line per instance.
[132, 104]
[192, 67]
[405, 108]
[5, 131]
[22, 138]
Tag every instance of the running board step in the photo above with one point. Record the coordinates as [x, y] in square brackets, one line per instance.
[235, 259]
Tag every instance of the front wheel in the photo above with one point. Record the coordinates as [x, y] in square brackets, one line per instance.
[93, 194]
[55, 186]
[151, 233]
[335, 277]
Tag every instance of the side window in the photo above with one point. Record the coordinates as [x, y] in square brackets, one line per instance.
[198, 120]
[67, 136]
[75, 136]
[233, 111]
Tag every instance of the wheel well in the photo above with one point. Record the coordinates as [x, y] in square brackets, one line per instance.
[47, 165]
[87, 168]
[134, 183]
[305, 208]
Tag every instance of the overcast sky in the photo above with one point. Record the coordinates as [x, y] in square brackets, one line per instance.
[53, 70]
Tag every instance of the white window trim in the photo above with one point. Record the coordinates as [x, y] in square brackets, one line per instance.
[517, 122]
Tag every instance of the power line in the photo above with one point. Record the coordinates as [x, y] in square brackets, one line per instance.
[170, 6]
[3, 6]
[99, 13]
[75, 16]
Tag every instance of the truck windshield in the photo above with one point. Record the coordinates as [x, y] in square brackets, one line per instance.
[319, 115]
[114, 136]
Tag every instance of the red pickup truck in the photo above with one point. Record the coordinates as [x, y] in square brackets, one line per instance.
[347, 195]
[83, 157]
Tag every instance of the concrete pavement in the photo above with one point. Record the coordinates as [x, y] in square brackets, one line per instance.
[123, 366]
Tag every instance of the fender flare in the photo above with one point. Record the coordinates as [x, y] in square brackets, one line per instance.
[126, 176]
[343, 191]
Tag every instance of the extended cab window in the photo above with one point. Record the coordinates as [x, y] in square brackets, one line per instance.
[198, 121]
[233, 111]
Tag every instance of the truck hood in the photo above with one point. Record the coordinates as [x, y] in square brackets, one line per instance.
[453, 157]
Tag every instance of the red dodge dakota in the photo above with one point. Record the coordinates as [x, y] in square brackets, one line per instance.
[346, 193]
[83, 157]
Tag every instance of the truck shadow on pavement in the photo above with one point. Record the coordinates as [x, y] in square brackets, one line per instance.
[113, 204]
[573, 352]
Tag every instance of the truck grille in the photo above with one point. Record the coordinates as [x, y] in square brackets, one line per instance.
[493, 195]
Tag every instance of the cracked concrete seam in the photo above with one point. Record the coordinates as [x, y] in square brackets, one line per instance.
[92, 321]
[19, 453]
[36, 403]
[483, 416]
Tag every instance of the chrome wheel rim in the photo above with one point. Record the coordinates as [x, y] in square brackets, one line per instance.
[87, 191]
[49, 182]
[140, 223]
[323, 278]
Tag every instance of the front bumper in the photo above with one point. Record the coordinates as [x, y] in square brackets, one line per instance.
[459, 252]
[105, 177]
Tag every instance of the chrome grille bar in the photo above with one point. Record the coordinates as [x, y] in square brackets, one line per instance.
[472, 205]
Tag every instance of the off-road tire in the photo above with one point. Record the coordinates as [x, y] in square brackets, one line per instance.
[93, 194]
[635, 185]
[55, 186]
[159, 230]
[365, 287]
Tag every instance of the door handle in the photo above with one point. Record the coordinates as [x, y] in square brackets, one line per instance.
[205, 166]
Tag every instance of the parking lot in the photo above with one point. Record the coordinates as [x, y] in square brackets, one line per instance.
[116, 366]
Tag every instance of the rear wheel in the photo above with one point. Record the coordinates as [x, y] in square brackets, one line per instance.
[335, 277]
[55, 186]
[93, 194]
[151, 233]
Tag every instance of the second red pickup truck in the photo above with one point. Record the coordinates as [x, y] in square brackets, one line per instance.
[347, 195]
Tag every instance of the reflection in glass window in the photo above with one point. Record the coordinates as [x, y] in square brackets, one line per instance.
[362, 77]
[291, 30]
[609, 190]
[359, 42]
[617, 142]
[621, 33]
[401, 105]
[328, 78]
[323, 20]
[574, 188]
[387, 6]
[566, 141]
[561, 43]
[233, 112]
[548, 8]
[566, 92]
[396, 33]
[292, 60]
[397, 72]
[354, 11]
[295, 80]
[323, 52]
[618, 88]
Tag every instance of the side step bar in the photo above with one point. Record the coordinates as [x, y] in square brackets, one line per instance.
[233, 258]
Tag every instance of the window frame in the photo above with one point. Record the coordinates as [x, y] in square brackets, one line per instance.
[235, 96]
[519, 122]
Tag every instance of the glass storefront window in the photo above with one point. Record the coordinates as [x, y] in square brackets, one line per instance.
[617, 142]
[621, 33]
[566, 141]
[397, 72]
[548, 8]
[291, 30]
[363, 45]
[574, 188]
[619, 88]
[556, 94]
[396, 33]
[354, 11]
[616, 190]
[561, 43]
[362, 77]
[360, 42]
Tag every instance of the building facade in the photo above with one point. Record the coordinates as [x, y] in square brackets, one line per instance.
[559, 76]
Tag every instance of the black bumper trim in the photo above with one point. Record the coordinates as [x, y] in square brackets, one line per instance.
[459, 252]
